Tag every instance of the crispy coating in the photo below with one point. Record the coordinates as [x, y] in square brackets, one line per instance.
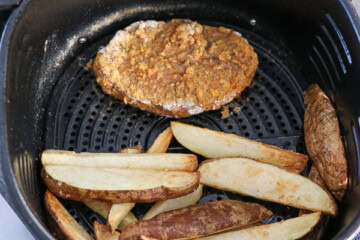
[176, 69]
[323, 140]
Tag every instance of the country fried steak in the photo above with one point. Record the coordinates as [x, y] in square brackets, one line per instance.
[175, 69]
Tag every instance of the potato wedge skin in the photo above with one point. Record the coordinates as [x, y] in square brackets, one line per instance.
[62, 223]
[323, 139]
[215, 144]
[290, 229]
[197, 220]
[66, 191]
[266, 182]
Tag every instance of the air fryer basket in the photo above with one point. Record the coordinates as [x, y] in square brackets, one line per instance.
[53, 100]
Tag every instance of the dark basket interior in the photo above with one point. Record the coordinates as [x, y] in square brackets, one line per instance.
[58, 95]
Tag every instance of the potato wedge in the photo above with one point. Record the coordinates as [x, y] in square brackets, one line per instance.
[131, 150]
[162, 142]
[147, 238]
[117, 214]
[103, 233]
[323, 139]
[316, 232]
[118, 185]
[214, 144]
[66, 225]
[197, 220]
[175, 203]
[164, 161]
[289, 229]
[267, 182]
[129, 218]
[101, 208]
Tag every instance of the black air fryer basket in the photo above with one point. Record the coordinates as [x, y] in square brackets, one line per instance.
[50, 98]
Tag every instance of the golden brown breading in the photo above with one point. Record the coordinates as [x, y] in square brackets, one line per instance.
[176, 69]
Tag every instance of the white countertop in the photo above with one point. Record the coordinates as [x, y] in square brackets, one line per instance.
[11, 227]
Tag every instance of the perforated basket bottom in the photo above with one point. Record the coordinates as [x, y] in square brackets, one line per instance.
[84, 119]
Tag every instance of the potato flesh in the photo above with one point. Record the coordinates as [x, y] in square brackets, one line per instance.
[129, 218]
[117, 213]
[165, 161]
[289, 229]
[119, 179]
[65, 221]
[103, 233]
[214, 144]
[267, 182]
[162, 142]
[101, 208]
[176, 203]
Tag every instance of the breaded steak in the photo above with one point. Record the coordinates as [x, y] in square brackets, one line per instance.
[175, 69]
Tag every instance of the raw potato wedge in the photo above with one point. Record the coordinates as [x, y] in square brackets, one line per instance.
[176, 203]
[129, 218]
[289, 229]
[267, 182]
[323, 139]
[118, 185]
[103, 233]
[197, 220]
[101, 208]
[214, 144]
[117, 214]
[164, 161]
[162, 142]
[66, 226]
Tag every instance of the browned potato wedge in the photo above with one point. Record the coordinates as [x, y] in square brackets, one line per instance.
[214, 144]
[117, 213]
[323, 140]
[164, 161]
[118, 185]
[131, 150]
[162, 142]
[267, 182]
[129, 218]
[197, 220]
[175, 203]
[316, 232]
[103, 233]
[101, 208]
[289, 229]
[66, 226]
